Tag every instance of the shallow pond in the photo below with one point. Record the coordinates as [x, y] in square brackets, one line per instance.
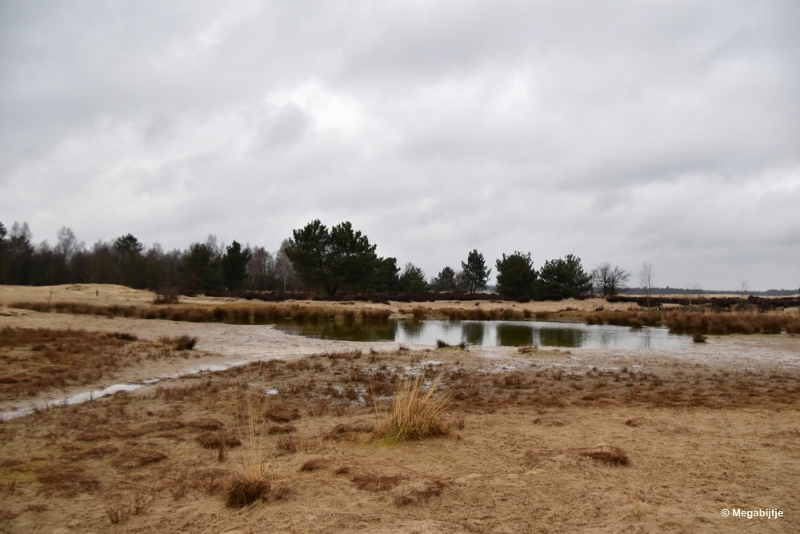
[494, 333]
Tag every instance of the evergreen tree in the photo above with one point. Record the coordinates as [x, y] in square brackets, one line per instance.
[352, 259]
[130, 267]
[19, 256]
[516, 277]
[413, 279]
[445, 280]
[385, 277]
[3, 247]
[200, 268]
[234, 266]
[339, 259]
[564, 277]
[475, 273]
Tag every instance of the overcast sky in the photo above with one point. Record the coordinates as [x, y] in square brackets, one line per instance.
[623, 131]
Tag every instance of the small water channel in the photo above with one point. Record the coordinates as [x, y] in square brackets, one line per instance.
[494, 333]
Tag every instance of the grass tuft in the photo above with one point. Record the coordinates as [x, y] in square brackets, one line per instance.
[215, 440]
[415, 413]
[250, 481]
[245, 489]
[315, 464]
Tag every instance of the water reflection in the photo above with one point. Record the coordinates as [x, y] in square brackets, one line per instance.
[560, 337]
[514, 335]
[471, 332]
[411, 329]
[342, 331]
[494, 333]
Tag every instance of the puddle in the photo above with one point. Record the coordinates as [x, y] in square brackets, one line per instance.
[495, 333]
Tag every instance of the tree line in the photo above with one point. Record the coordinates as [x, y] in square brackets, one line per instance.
[206, 266]
[342, 259]
[316, 258]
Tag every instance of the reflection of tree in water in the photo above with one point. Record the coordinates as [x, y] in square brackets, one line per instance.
[514, 335]
[561, 337]
[342, 331]
[412, 329]
[472, 333]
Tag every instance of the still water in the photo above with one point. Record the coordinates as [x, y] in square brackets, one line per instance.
[494, 333]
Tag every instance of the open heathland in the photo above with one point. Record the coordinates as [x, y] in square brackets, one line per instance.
[525, 440]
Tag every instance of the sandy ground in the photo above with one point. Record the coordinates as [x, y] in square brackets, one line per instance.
[709, 427]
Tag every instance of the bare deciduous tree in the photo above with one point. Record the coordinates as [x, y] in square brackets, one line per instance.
[694, 290]
[646, 278]
[611, 280]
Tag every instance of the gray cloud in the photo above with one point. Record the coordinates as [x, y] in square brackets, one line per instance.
[660, 131]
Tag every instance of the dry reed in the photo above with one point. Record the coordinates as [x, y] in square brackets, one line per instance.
[415, 413]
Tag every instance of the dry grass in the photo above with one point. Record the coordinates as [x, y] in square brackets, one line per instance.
[66, 480]
[281, 429]
[37, 360]
[282, 413]
[314, 464]
[421, 495]
[702, 322]
[215, 440]
[415, 413]
[183, 342]
[94, 448]
[608, 455]
[250, 482]
[374, 482]
[163, 309]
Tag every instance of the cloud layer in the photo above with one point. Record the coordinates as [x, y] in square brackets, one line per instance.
[622, 132]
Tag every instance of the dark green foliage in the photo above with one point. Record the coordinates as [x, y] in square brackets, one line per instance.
[128, 244]
[18, 258]
[516, 276]
[474, 272]
[200, 268]
[413, 279]
[445, 280]
[3, 246]
[309, 252]
[234, 266]
[564, 277]
[129, 260]
[341, 259]
[385, 277]
[352, 259]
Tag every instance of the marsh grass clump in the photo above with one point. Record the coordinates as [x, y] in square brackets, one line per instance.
[250, 482]
[699, 338]
[245, 488]
[183, 342]
[415, 413]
